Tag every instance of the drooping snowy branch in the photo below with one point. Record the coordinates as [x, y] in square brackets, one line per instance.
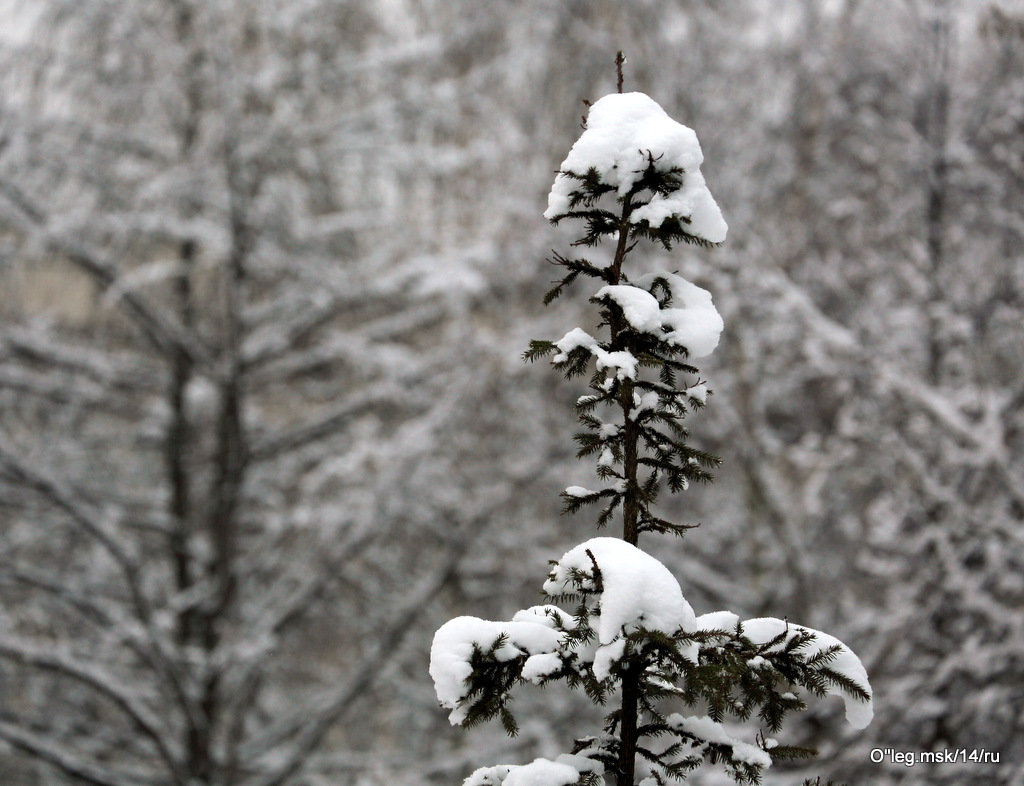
[845, 675]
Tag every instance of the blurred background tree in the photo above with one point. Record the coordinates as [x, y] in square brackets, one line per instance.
[265, 269]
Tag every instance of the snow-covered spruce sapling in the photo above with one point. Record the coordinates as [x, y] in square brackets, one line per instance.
[630, 638]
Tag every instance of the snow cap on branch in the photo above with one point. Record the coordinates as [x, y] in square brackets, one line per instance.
[625, 133]
[563, 771]
[691, 321]
[454, 643]
[621, 364]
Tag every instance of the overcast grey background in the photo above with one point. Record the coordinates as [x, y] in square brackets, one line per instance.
[267, 271]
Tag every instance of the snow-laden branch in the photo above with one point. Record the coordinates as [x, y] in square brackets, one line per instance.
[990, 448]
[108, 617]
[105, 684]
[55, 389]
[309, 727]
[273, 446]
[54, 491]
[633, 618]
[58, 755]
[118, 373]
[293, 739]
[161, 330]
[58, 494]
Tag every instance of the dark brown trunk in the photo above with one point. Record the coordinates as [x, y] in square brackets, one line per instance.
[626, 764]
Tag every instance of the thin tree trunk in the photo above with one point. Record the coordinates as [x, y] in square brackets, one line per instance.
[196, 733]
[937, 137]
[630, 509]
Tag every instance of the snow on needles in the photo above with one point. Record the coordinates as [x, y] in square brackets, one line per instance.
[624, 132]
[456, 640]
[621, 363]
[764, 629]
[637, 591]
[563, 771]
[690, 321]
[705, 729]
[630, 592]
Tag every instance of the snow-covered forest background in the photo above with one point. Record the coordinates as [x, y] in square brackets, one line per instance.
[267, 271]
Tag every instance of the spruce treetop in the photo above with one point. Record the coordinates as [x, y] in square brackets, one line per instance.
[630, 146]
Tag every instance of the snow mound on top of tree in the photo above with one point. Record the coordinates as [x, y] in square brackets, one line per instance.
[624, 132]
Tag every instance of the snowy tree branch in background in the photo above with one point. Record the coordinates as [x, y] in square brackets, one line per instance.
[193, 526]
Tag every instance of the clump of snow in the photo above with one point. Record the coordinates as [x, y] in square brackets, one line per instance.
[636, 589]
[642, 403]
[750, 754]
[455, 641]
[692, 321]
[717, 620]
[624, 132]
[577, 337]
[639, 307]
[537, 667]
[698, 392]
[563, 771]
[621, 363]
[489, 776]
[858, 713]
[551, 616]
[543, 772]
[606, 656]
[578, 492]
